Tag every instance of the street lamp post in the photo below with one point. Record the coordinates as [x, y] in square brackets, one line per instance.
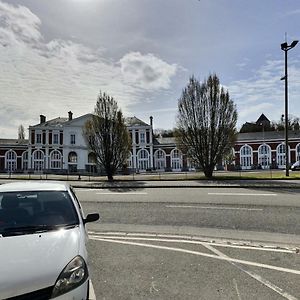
[285, 47]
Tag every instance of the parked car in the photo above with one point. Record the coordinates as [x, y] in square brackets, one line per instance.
[295, 166]
[43, 242]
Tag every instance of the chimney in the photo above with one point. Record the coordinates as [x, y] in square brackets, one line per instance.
[70, 115]
[151, 121]
[42, 119]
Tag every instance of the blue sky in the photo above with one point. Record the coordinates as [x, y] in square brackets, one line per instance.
[56, 55]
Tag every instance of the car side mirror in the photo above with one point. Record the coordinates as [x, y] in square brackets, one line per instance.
[91, 218]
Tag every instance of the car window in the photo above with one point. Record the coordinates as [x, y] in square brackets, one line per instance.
[27, 209]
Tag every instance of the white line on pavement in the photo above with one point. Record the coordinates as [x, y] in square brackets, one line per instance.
[92, 295]
[237, 289]
[194, 242]
[242, 194]
[257, 277]
[244, 262]
[120, 193]
[213, 207]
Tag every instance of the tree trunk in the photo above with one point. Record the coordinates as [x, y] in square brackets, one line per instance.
[208, 172]
[110, 177]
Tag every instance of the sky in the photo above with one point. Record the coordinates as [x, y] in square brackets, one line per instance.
[56, 56]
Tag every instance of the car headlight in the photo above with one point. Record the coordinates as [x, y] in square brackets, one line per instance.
[72, 276]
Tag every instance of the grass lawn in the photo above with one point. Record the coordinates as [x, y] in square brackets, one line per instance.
[154, 176]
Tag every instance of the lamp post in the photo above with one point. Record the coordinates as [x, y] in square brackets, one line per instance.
[285, 47]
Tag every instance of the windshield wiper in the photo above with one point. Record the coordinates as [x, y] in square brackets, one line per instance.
[27, 229]
[33, 229]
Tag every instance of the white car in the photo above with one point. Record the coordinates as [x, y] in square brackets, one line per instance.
[42, 242]
[295, 166]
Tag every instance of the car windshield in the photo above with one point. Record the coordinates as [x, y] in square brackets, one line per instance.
[29, 212]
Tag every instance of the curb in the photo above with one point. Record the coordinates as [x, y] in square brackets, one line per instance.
[183, 186]
[173, 184]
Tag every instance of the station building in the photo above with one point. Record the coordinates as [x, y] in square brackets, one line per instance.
[58, 146]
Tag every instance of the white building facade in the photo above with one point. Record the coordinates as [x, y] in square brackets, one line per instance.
[59, 146]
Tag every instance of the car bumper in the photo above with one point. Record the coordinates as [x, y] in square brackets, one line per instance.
[79, 293]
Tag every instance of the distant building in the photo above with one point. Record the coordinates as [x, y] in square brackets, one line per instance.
[265, 149]
[58, 146]
[261, 124]
[13, 155]
[260, 146]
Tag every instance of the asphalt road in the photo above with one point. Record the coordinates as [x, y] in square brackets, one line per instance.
[237, 209]
[171, 243]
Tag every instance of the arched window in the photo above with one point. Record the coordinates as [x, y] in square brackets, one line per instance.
[92, 159]
[264, 156]
[160, 159]
[281, 155]
[25, 160]
[72, 162]
[55, 160]
[298, 152]
[72, 158]
[11, 161]
[143, 160]
[38, 160]
[91, 166]
[246, 158]
[176, 160]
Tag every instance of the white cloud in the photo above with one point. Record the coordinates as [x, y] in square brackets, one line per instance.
[147, 71]
[18, 24]
[292, 12]
[264, 91]
[55, 77]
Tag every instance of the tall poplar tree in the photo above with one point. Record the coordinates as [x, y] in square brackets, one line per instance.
[206, 122]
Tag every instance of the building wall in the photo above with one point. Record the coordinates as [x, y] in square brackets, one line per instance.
[274, 153]
[58, 138]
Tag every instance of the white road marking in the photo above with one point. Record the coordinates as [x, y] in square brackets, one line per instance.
[254, 275]
[153, 287]
[244, 262]
[92, 295]
[214, 207]
[237, 289]
[242, 194]
[175, 239]
[121, 194]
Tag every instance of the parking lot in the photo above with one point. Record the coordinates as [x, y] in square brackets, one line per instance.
[151, 266]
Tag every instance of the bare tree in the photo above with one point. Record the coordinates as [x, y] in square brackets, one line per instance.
[293, 123]
[107, 135]
[21, 133]
[206, 122]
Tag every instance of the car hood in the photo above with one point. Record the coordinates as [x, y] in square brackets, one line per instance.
[34, 261]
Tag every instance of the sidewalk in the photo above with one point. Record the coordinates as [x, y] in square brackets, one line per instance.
[175, 183]
[189, 184]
